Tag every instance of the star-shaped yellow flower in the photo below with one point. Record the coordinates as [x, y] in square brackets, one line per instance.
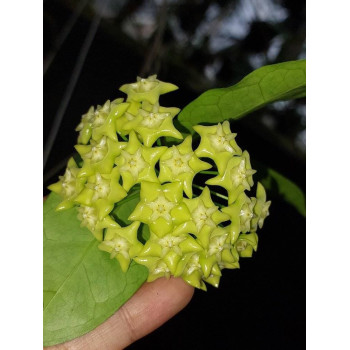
[170, 248]
[204, 211]
[105, 119]
[85, 126]
[69, 185]
[104, 191]
[147, 89]
[214, 277]
[179, 163]
[126, 122]
[217, 143]
[216, 248]
[88, 216]
[261, 209]
[236, 178]
[161, 207]
[190, 270]
[136, 162]
[246, 244]
[122, 244]
[241, 214]
[157, 267]
[99, 156]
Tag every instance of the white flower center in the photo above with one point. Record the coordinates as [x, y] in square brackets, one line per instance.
[202, 216]
[161, 207]
[161, 267]
[241, 245]
[98, 150]
[68, 183]
[193, 264]
[178, 163]
[88, 217]
[134, 163]
[221, 141]
[171, 242]
[217, 244]
[101, 187]
[152, 119]
[144, 85]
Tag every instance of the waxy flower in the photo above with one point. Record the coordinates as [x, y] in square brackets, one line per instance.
[136, 162]
[88, 216]
[69, 185]
[204, 211]
[237, 177]
[217, 143]
[153, 122]
[105, 119]
[179, 163]
[99, 156]
[122, 244]
[190, 270]
[147, 89]
[241, 214]
[246, 244]
[102, 190]
[161, 207]
[85, 126]
[170, 248]
[261, 209]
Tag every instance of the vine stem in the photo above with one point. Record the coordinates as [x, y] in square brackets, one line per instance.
[209, 172]
[212, 192]
[123, 137]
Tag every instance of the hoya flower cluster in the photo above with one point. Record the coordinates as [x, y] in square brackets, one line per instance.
[189, 236]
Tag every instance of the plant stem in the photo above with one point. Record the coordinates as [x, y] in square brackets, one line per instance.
[212, 192]
[123, 137]
[209, 172]
[159, 143]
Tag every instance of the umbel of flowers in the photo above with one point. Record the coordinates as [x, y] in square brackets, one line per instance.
[190, 236]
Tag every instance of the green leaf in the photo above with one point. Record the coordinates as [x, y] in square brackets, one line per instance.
[282, 81]
[281, 186]
[82, 285]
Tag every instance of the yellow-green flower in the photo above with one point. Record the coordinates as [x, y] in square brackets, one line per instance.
[161, 207]
[69, 185]
[204, 211]
[85, 126]
[241, 214]
[216, 248]
[105, 119]
[261, 209]
[136, 162]
[179, 163]
[190, 270]
[99, 156]
[147, 89]
[217, 143]
[104, 191]
[246, 244]
[122, 244]
[88, 216]
[157, 267]
[237, 177]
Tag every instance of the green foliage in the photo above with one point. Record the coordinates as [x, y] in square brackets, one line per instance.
[279, 185]
[77, 296]
[282, 81]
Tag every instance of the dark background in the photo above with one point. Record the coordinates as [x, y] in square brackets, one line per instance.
[196, 45]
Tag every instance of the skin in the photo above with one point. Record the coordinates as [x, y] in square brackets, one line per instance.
[151, 306]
